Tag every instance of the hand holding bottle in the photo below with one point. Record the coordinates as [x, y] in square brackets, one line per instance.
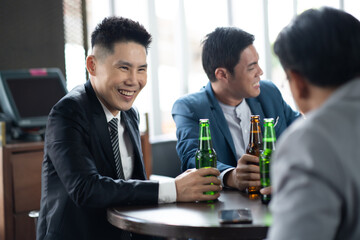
[205, 156]
[191, 185]
[245, 174]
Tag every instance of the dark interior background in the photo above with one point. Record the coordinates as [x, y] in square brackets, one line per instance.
[31, 34]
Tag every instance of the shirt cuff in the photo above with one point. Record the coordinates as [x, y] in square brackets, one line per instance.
[167, 191]
[222, 174]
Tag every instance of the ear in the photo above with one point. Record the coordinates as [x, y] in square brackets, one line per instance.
[91, 65]
[298, 84]
[222, 74]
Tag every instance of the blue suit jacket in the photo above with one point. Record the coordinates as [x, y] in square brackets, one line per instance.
[189, 109]
[78, 179]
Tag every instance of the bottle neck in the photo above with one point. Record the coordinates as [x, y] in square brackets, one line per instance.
[255, 133]
[205, 138]
[269, 139]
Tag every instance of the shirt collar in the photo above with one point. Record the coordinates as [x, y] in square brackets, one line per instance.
[108, 114]
[242, 108]
[227, 108]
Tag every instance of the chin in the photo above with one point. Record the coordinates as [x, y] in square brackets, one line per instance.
[125, 108]
[124, 105]
[255, 94]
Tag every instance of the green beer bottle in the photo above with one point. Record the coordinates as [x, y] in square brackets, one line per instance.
[265, 157]
[205, 155]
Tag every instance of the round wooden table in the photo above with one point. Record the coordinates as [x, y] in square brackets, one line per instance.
[193, 220]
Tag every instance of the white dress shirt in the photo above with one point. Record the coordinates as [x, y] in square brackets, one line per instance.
[167, 189]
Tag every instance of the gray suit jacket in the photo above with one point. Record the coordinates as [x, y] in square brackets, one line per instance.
[315, 172]
[78, 172]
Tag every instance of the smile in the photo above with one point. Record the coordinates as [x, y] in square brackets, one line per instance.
[127, 93]
[257, 84]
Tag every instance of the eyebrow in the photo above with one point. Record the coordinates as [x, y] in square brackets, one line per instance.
[129, 64]
[252, 64]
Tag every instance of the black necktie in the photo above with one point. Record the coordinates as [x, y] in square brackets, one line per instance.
[113, 124]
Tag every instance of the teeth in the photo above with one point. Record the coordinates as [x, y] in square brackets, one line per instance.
[256, 84]
[126, 93]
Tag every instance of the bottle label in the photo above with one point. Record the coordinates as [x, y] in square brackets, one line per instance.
[205, 138]
[265, 139]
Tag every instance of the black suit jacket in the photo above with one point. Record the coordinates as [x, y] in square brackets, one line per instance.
[78, 172]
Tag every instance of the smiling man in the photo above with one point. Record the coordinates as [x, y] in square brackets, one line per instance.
[92, 156]
[233, 93]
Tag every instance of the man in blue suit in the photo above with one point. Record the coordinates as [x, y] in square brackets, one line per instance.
[233, 94]
[82, 173]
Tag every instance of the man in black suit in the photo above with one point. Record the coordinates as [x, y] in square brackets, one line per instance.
[82, 172]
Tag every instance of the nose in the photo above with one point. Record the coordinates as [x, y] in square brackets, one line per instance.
[260, 71]
[131, 77]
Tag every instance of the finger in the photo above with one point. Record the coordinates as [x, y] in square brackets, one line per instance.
[208, 197]
[205, 180]
[201, 190]
[209, 188]
[209, 171]
[248, 158]
[253, 169]
[254, 176]
[251, 183]
[253, 160]
[247, 169]
[210, 179]
[206, 188]
[254, 183]
[249, 176]
[266, 190]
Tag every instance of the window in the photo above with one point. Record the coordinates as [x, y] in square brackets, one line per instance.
[178, 27]
[74, 43]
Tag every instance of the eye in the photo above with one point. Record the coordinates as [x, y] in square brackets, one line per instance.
[142, 70]
[125, 68]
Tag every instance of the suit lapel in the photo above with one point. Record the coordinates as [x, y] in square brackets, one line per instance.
[134, 134]
[218, 118]
[101, 127]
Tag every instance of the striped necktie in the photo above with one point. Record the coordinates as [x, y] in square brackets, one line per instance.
[113, 125]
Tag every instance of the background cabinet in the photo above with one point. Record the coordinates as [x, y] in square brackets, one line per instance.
[20, 186]
[20, 189]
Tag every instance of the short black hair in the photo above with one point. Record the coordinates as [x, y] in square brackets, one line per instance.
[322, 45]
[222, 48]
[118, 29]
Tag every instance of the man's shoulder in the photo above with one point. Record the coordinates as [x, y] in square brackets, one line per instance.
[193, 100]
[75, 99]
[194, 97]
[304, 133]
[200, 103]
[268, 87]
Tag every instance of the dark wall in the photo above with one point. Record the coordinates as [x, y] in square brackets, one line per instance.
[31, 34]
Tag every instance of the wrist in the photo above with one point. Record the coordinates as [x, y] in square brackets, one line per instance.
[228, 179]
